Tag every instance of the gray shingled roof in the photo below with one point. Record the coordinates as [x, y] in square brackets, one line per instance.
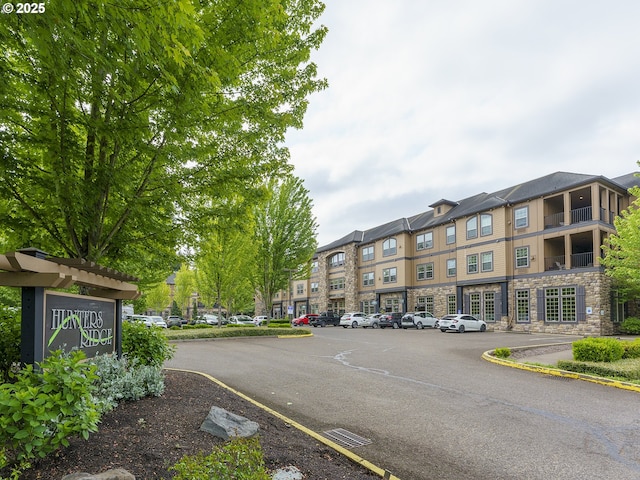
[547, 185]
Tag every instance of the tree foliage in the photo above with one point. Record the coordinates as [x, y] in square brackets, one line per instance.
[185, 286]
[159, 297]
[116, 116]
[285, 237]
[224, 265]
[622, 250]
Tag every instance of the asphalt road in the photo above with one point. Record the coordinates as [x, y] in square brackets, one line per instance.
[432, 408]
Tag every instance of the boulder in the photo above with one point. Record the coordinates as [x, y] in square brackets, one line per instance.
[115, 474]
[226, 425]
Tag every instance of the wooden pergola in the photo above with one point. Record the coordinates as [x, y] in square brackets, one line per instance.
[31, 268]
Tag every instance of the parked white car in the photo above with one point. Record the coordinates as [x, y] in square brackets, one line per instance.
[420, 320]
[241, 320]
[352, 319]
[461, 323]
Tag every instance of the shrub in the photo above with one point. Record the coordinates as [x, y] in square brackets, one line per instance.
[9, 341]
[630, 325]
[502, 352]
[44, 407]
[149, 346]
[123, 380]
[598, 350]
[631, 349]
[239, 459]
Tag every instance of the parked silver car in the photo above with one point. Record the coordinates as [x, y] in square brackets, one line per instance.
[461, 323]
[372, 320]
[419, 320]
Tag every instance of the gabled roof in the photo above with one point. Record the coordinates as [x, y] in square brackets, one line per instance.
[538, 187]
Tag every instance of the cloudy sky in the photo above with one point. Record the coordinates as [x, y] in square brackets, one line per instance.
[432, 99]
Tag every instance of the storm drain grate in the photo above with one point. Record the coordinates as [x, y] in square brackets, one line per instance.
[346, 438]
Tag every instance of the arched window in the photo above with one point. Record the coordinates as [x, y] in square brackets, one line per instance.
[337, 260]
[389, 247]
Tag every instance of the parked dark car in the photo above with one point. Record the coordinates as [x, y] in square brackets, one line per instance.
[325, 318]
[393, 320]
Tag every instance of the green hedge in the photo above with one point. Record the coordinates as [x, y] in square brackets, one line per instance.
[598, 350]
[623, 370]
[630, 325]
[185, 334]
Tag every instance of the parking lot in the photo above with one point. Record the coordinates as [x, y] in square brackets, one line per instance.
[432, 408]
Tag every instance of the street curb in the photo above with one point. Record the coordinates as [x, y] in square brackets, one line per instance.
[556, 371]
[352, 456]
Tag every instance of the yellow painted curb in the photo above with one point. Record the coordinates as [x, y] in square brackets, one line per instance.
[557, 372]
[352, 456]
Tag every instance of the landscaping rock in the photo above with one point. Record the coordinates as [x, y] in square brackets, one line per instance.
[115, 474]
[226, 425]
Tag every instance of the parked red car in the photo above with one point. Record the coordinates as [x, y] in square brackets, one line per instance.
[304, 319]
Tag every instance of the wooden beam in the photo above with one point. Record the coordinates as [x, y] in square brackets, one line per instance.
[30, 279]
[114, 294]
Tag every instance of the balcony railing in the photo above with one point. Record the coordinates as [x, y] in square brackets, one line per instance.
[582, 260]
[554, 220]
[583, 214]
[554, 263]
[578, 260]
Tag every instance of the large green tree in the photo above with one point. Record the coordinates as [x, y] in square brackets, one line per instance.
[224, 267]
[622, 250]
[285, 237]
[115, 116]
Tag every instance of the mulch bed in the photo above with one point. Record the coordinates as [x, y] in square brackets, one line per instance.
[148, 436]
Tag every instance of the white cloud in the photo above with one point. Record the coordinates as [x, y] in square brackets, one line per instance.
[431, 100]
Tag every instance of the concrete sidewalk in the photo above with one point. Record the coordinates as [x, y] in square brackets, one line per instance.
[549, 358]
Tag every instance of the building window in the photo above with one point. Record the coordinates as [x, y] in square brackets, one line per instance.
[451, 267]
[522, 257]
[472, 228]
[389, 275]
[314, 266]
[367, 253]
[472, 263]
[487, 261]
[315, 308]
[560, 304]
[522, 306]
[486, 224]
[428, 304]
[474, 304]
[451, 234]
[337, 260]
[336, 284]
[424, 241]
[299, 289]
[489, 307]
[451, 305]
[424, 304]
[389, 247]
[391, 305]
[521, 217]
[425, 272]
[314, 287]
[368, 307]
[368, 279]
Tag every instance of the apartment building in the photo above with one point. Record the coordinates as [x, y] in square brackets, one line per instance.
[525, 258]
